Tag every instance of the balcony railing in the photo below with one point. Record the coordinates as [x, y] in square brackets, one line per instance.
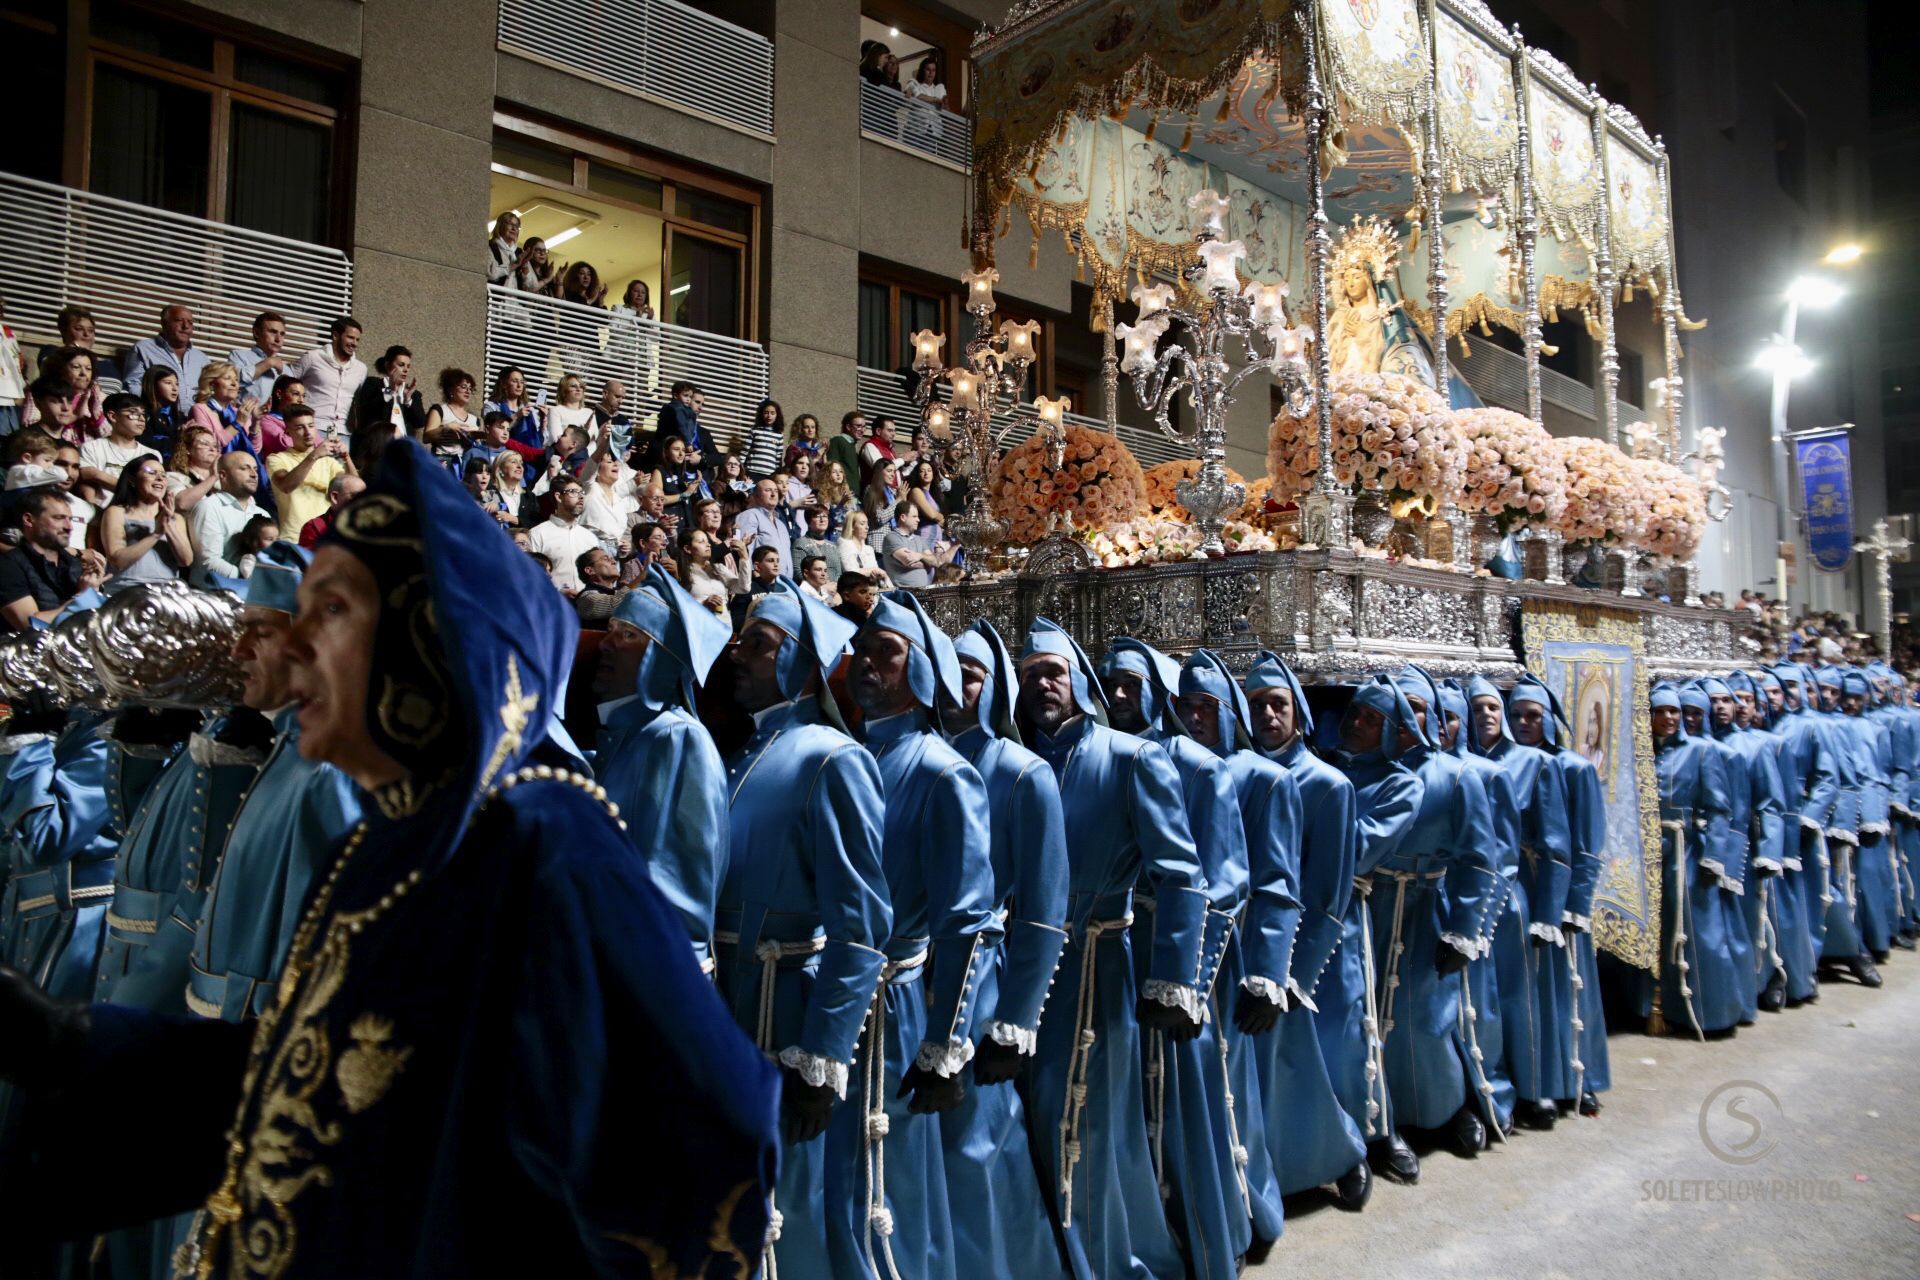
[548, 338]
[881, 392]
[1499, 376]
[125, 262]
[659, 48]
[890, 116]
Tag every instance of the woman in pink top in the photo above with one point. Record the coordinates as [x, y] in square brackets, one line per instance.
[73, 366]
[217, 406]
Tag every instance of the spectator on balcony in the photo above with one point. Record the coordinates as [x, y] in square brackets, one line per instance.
[42, 575]
[679, 482]
[877, 449]
[540, 274]
[765, 439]
[882, 494]
[13, 376]
[505, 257]
[632, 336]
[562, 539]
[845, 447]
[511, 397]
[76, 328]
[927, 96]
[509, 481]
[172, 349]
[570, 409]
[816, 540]
[923, 489]
[856, 548]
[103, 459]
[873, 63]
[142, 537]
[388, 407]
[636, 302]
[806, 441]
[343, 489]
[302, 473]
[217, 521]
[760, 526]
[287, 391]
[194, 469]
[217, 406]
[455, 432]
[72, 369]
[581, 283]
[610, 416]
[166, 420]
[833, 495]
[903, 554]
[263, 364]
[710, 580]
[333, 373]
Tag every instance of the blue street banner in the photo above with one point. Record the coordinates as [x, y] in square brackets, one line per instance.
[1826, 487]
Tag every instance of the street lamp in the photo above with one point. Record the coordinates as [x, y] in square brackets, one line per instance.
[1843, 254]
[1781, 356]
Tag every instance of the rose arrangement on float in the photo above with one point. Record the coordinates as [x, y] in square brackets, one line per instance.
[1258, 492]
[1163, 486]
[1156, 540]
[1603, 492]
[1391, 433]
[1513, 469]
[1098, 484]
[1674, 507]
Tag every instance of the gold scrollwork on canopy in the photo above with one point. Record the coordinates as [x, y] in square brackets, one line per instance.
[1479, 115]
[1566, 167]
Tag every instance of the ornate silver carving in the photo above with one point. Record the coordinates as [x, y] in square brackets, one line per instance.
[1527, 230]
[70, 659]
[1603, 281]
[1882, 546]
[24, 673]
[164, 644]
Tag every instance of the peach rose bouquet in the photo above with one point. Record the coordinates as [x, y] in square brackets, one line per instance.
[1391, 433]
[1163, 483]
[1157, 540]
[1513, 469]
[1098, 483]
[1603, 492]
[1674, 506]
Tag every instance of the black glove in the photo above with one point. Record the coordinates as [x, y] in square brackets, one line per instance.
[1449, 959]
[41, 1039]
[1255, 1015]
[996, 1063]
[928, 1093]
[1764, 872]
[804, 1107]
[247, 729]
[1170, 1019]
[1572, 929]
[154, 726]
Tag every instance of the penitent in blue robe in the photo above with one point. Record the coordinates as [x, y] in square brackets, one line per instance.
[1811, 776]
[1732, 872]
[1699, 981]
[1126, 825]
[1482, 1017]
[1311, 1138]
[1771, 915]
[64, 846]
[803, 922]
[1878, 896]
[1001, 1224]
[887, 1191]
[27, 761]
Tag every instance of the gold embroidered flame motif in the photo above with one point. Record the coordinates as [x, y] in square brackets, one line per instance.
[367, 1070]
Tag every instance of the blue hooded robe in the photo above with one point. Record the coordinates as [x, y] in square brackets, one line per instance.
[1737, 854]
[1699, 983]
[1810, 769]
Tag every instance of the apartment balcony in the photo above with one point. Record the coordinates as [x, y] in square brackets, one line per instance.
[548, 338]
[125, 262]
[659, 49]
[1499, 377]
[880, 392]
[889, 116]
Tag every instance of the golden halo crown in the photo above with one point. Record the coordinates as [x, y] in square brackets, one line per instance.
[1369, 242]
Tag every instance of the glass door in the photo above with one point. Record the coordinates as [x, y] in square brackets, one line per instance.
[705, 283]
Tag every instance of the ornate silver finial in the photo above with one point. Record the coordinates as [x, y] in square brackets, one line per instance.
[70, 659]
[23, 668]
[164, 644]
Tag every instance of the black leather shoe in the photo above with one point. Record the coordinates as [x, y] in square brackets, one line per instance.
[1529, 1114]
[1466, 1133]
[1773, 997]
[1904, 941]
[1881, 957]
[1392, 1158]
[1863, 971]
[1354, 1188]
[1589, 1103]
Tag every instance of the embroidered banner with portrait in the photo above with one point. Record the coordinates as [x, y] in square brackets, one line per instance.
[1566, 166]
[1594, 660]
[1479, 118]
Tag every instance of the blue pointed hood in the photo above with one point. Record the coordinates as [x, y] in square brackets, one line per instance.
[1481, 687]
[981, 644]
[687, 639]
[1453, 703]
[1412, 681]
[1270, 672]
[1531, 690]
[1047, 637]
[472, 649]
[933, 670]
[817, 637]
[1159, 676]
[1384, 696]
[275, 581]
[1668, 694]
[1205, 675]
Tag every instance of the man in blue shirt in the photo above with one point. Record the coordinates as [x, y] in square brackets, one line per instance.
[172, 349]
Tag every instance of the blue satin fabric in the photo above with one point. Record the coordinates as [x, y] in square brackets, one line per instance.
[1700, 981]
[283, 834]
[1432, 890]
[1001, 1224]
[1878, 896]
[659, 764]
[1734, 874]
[1310, 1138]
[1810, 774]
[1776, 922]
[1386, 800]
[1484, 1016]
[63, 856]
[1126, 824]
[805, 812]
[939, 876]
[27, 760]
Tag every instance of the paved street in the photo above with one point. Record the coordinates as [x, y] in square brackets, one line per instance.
[1837, 1166]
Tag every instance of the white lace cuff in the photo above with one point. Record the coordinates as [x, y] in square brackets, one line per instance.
[1842, 837]
[944, 1060]
[1713, 866]
[1020, 1038]
[1267, 989]
[816, 1070]
[1584, 923]
[1766, 864]
[1300, 997]
[1175, 995]
[1810, 822]
[1465, 946]
[1793, 864]
[1873, 828]
[1549, 932]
